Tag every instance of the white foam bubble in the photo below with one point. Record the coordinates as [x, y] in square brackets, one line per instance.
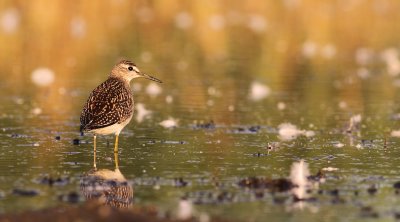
[42, 76]
[363, 73]
[146, 56]
[363, 56]
[257, 23]
[328, 51]
[141, 112]
[330, 169]
[395, 133]
[136, 87]
[309, 49]
[169, 123]
[212, 91]
[259, 91]
[153, 89]
[338, 145]
[169, 99]
[185, 210]
[145, 14]
[78, 27]
[342, 105]
[391, 58]
[281, 106]
[36, 111]
[217, 22]
[10, 20]
[183, 20]
[288, 131]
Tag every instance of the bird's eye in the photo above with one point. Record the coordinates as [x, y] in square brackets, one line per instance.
[130, 68]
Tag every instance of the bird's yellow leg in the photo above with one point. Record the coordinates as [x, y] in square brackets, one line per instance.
[116, 160]
[116, 144]
[94, 151]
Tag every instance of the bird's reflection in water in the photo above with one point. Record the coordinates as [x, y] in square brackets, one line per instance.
[107, 186]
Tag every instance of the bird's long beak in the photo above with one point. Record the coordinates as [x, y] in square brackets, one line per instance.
[150, 77]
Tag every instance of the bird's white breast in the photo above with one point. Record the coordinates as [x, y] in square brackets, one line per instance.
[112, 129]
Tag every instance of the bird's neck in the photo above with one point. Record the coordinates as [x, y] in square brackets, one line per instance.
[126, 80]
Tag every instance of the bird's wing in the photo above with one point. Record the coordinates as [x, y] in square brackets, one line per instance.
[111, 102]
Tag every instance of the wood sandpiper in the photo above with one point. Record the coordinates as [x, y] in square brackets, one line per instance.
[109, 107]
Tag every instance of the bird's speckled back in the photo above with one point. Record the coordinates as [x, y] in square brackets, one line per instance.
[109, 103]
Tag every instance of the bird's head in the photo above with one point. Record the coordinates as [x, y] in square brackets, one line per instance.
[127, 70]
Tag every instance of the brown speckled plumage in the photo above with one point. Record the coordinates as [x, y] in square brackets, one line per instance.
[109, 107]
[109, 103]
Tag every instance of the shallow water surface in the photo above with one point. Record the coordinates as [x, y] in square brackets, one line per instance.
[204, 158]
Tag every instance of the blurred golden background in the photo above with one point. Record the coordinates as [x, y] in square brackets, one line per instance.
[312, 50]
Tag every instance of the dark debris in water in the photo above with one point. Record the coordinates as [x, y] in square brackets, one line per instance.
[260, 154]
[57, 137]
[368, 212]
[212, 197]
[208, 125]
[254, 129]
[245, 130]
[317, 177]
[338, 200]
[334, 192]
[372, 190]
[49, 180]
[309, 200]
[280, 200]
[76, 141]
[152, 142]
[16, 135]
[376, 178]
[368, 143]
[25, 192]
[279, 185]
[180, 182]
[251, 129]
[225, 196]
[174, 142]
[71, 197]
